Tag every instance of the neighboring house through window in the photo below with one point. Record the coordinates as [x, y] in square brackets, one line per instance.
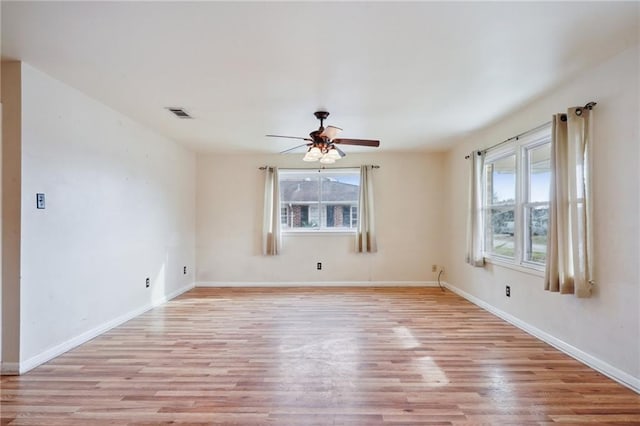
[516, 199]
[319, 200]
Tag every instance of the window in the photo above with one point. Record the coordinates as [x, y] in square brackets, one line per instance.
[500, 206]
[536, 206]
[325, 200]
[284, 215]
[516, 199]
[353, 220]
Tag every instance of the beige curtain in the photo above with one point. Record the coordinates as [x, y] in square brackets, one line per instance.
[475, 215]
[271, 239]
[366, 232]
[569, 248]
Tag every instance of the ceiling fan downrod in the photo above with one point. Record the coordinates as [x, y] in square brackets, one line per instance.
[321, 115]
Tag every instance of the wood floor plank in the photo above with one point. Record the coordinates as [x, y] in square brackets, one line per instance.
[304, 356]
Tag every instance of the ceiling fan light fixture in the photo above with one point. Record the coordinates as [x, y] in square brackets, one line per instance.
[333, 153]
[327, 160]
[309, 158]
[314, 152]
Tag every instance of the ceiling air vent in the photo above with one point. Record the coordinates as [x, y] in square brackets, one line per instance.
[179, 112]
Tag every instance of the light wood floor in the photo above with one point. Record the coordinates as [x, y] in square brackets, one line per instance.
[315, 356]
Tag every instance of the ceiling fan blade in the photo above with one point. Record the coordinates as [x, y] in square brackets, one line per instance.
[362, 142]
[341, 152]
[331, 132]
[295, 147]
[288, 137]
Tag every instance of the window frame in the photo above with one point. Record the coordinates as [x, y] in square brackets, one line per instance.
[527, 204]
[322, 206]
[491, 158]
[520, 147]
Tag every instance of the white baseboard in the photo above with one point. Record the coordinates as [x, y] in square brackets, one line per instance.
[597, 364]
[317, 284]
[41, 358]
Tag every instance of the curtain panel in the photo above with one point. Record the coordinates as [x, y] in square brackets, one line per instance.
[569, 236]
[366, 233]
[474, 254]
[271, 237]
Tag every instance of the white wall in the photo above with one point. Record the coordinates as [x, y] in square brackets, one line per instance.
[120, 204]
[0, 201]
[606, 326]
[11, 141]
[409, 216]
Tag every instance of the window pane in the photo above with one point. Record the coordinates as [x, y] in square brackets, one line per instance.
[331, 218]
[536, 241]
[338, 216]
[501, 181]
[500, 231]
[539, 173]
[312, 200]
[296, 188]
[340, 188]
[299, 198]
[300, 216]
[339, 193]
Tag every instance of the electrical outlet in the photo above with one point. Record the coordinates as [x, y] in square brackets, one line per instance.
[40, 200]
[184, 270]
[319, 266]
[147, 283]
[508, 291]
[434, 268]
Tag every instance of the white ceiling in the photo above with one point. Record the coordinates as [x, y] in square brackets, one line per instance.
[414, 75]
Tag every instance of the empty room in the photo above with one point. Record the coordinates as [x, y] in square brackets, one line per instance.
[320, 213]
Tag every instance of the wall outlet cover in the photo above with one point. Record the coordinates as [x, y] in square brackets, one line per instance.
[40, 201]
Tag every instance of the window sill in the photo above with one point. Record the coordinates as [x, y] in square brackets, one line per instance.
[535, 270]
[317, 232]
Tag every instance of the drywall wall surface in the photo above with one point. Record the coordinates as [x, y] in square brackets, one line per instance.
[120, 204]
[408, 192]
[607, 325]
[11, 142]
[0, 202]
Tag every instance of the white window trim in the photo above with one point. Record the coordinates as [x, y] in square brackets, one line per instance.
[518, 147]
[531, 269]
[296, 233]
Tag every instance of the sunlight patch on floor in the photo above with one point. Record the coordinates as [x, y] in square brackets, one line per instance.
[405, 337]
[433, 375]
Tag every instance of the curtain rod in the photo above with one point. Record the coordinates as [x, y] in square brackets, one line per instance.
[588, 106]
[317, 168]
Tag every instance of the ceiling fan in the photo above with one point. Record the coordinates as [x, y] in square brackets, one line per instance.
[322, 142]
